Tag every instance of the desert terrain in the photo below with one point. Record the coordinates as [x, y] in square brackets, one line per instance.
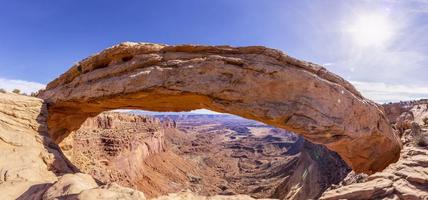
[206, 154]
[314, 135]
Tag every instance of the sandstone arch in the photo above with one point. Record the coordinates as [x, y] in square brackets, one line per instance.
[254, 82]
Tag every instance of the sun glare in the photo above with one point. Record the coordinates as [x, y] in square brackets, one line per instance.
[371, 30]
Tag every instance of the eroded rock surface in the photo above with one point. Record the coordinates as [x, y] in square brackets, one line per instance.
[29, 160]
[253, 82]
[32, 166]
[405, 179]
[113, 146]
[80, 186]
[206, 154]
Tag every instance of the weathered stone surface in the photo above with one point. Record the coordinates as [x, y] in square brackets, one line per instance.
[80, 186]
[29, 159]
[111, 191]
[253, 82]
[68, 185]
[405, 179]
[187, 195]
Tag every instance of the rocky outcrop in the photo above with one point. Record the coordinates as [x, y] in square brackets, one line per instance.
[187, 195]
[29, 160]
[405, 179]
[83, 187]
[253, 82]
[32, 166]
[393, 110]
[316, 169]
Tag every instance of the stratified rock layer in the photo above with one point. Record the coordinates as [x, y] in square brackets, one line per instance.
[113, 147]
[253, 82]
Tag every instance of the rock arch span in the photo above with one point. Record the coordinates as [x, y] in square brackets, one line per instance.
[253, 82]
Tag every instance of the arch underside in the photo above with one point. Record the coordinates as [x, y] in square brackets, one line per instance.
[253, 82]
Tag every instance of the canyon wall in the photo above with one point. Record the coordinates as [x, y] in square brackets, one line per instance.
[253, 82]
[112, 147]
[132, 151]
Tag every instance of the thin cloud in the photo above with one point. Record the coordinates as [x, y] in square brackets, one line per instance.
[384, 93]
[397, 68]
[25, 86]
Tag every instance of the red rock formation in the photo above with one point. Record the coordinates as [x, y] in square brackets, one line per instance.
[253, 82]
[112, 147]
[405, 179]
[316, 170]
[394, 110]
[32, 165]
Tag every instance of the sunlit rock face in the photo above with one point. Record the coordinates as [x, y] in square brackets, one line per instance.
[405, 179]
[253, 82]
[207, 154]
[29, 160]
[112, 147]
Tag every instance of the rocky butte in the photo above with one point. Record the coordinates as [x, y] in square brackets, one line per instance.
[253, 82]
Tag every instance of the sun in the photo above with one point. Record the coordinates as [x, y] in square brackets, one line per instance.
[371, 30]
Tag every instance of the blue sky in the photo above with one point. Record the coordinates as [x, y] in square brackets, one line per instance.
[380, 46]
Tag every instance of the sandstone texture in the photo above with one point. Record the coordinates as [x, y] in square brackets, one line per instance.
[32, 166]
[253, 82]
[393, 110]
[405, 179]
[29, 159]
[187, 195]
[83, 187]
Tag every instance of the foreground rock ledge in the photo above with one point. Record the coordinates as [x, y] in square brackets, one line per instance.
[253, 82]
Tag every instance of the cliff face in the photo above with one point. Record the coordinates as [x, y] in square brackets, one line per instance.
[213, 156]
[112, 147]
[317, 168]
